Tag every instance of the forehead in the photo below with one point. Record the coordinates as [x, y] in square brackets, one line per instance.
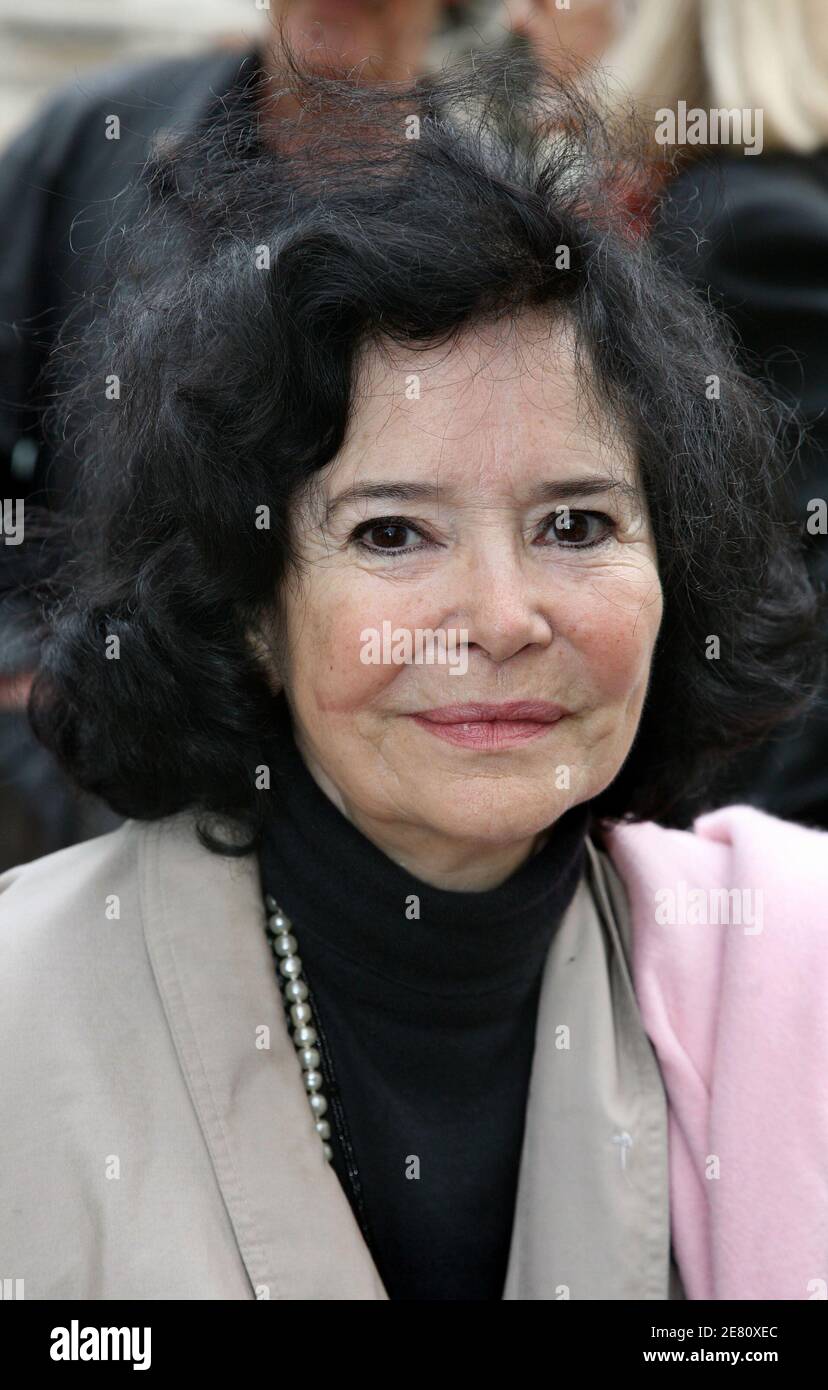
[501, 401]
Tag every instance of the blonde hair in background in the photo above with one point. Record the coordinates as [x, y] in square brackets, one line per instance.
[749, 54]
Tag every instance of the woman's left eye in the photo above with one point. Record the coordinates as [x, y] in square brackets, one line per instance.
[578, 530]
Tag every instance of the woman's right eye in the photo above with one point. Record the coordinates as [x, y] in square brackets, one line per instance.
[386, 535]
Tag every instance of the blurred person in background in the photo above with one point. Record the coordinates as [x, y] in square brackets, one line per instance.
[571, 38]
[746, 221]
[62, 183]
[576, 34]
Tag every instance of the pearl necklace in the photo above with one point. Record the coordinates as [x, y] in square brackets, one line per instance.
[295, 998]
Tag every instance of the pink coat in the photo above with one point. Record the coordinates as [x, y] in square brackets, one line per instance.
[738, 1016]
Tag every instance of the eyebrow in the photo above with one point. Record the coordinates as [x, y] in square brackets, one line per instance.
[588, 486]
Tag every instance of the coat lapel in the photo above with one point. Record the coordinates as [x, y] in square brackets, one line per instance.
[592, 1210]
[204, 923]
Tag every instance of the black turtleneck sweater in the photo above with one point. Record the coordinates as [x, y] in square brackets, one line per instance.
[425, 1000]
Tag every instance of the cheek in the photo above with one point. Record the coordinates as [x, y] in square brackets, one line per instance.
[325, 627]
[613, 625]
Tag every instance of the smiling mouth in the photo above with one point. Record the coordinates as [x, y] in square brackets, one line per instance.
[491, 727]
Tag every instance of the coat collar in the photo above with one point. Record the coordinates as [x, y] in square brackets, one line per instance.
[591, 1216]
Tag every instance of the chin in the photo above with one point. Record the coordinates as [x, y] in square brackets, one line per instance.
[501, 822]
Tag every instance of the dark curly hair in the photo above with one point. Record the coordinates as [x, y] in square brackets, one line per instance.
[253, 271]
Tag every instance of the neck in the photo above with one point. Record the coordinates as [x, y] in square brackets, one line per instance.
[458, 865]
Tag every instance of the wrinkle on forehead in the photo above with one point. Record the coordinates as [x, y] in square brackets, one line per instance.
[516, 371]
[460, 374]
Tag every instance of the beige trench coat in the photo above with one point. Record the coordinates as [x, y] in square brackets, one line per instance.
[155, 1137]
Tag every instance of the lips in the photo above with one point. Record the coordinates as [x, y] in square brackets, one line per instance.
[488, 727]
[532, 711]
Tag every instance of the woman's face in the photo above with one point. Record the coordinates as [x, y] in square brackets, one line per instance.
[470, 453]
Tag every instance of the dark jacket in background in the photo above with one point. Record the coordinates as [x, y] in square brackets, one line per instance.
[751, 234]
[63, 188]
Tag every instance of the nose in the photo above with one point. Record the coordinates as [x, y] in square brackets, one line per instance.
[505, 609]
